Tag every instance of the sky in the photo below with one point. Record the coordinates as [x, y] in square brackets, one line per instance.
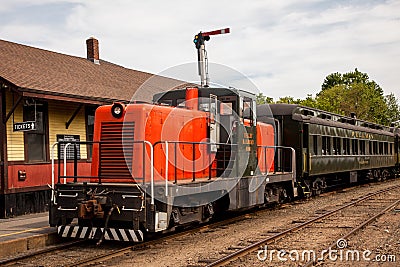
[283, 48]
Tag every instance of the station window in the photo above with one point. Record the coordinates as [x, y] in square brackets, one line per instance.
[391, 148]
[380, 148]
[36, 140]
[89, 129]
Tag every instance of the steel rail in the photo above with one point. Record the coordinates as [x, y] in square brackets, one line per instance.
[40, 251]
[120, 252]
[246, 250]
[107, 256]
[391, 206]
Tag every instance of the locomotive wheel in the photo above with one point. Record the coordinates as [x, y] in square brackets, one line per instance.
[377, 175]
[283, 196]
[318, 186]
[275, 195]
[385, 174]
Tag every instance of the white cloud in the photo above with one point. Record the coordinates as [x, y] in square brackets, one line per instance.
[286, 47]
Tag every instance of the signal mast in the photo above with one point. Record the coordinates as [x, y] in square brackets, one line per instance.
[202, 59]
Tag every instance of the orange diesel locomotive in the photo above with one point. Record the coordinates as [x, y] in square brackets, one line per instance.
[190, 155]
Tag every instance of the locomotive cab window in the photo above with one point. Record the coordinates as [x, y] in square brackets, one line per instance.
[204, 104]
[180, 103]
[166, 102]
[226, 108]
[248, 110]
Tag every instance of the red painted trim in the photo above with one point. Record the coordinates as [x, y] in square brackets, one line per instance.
[38, 175]
[21, 162]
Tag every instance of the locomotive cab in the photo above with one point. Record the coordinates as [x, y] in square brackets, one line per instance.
[232, 124]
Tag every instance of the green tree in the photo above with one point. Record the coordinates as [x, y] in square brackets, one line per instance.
[346, 79]
[288, 100]
[347, 93]
[355, 76]
[331, 99]
[353, 92]
[309, 102]
[262, 99]
[332, 80]
[393, 108]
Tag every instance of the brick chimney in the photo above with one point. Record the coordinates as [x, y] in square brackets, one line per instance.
[92, 48]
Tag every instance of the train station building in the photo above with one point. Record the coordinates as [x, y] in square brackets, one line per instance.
[46, 97]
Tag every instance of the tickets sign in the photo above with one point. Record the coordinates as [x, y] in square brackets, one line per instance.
[24, 126]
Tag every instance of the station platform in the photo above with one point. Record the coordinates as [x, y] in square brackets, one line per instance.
[26, 232]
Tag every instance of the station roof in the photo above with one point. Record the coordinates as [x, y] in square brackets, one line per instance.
[41, 73]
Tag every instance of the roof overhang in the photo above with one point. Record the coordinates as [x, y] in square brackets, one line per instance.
[45, 95]
[28, 92]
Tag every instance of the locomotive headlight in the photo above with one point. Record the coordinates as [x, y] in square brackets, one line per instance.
[117, 110]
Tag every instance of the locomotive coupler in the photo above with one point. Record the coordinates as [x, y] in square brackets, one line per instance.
[92, 208]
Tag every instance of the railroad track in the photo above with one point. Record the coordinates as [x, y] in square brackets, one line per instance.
[88, 260]
[92, 255]
[373, 206]
[66, 250]
[108, 256]
[16, 260]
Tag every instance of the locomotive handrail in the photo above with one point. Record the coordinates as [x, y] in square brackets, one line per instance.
[68, 209]
[75, 176]
[52, 172]
[166, 168]
[65, 162]
[151, 170]
[167, 143]
[71, 196]
[189, 142]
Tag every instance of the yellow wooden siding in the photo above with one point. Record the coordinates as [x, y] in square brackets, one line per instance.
[59, 114]
[15, 140]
